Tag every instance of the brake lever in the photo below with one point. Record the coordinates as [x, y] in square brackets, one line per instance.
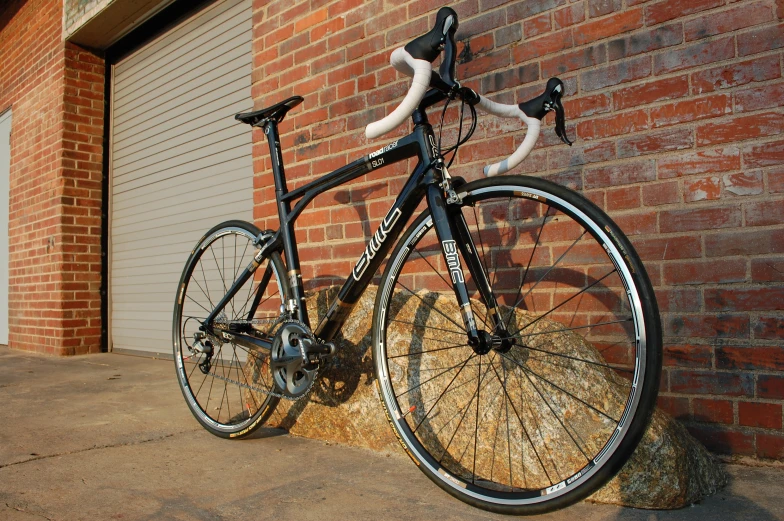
[549, 100]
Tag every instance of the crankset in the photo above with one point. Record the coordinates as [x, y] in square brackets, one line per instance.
[295, 358]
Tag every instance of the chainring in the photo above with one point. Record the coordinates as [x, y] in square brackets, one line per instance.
[288, 361]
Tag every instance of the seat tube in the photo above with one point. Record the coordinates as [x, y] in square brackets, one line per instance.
[449, 248]
[286, 227]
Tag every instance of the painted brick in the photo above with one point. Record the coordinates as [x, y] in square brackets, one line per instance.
[767, 97]
[767, 154]
[654, 142]
[701, 189]
[742, 184]
[702, 162]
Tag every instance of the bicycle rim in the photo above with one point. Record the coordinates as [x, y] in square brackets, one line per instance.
[226, 385]
[552, 419]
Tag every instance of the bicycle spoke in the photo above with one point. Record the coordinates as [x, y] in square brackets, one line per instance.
[462, 329]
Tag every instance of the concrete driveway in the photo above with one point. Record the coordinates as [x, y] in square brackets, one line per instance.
[109, 437]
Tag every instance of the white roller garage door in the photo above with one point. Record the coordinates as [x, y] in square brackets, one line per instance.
[180, 163]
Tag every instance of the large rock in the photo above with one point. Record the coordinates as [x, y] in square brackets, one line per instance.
[669, 469]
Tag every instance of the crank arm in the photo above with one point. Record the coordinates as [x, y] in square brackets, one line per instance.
[248, 341]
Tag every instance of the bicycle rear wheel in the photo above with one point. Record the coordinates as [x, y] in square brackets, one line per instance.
[227, 386]
[551, 420]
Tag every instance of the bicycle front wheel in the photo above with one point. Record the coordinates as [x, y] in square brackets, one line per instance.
[545, 423]
[227, 386]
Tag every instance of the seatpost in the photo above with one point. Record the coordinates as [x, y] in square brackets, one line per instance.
[297, 303]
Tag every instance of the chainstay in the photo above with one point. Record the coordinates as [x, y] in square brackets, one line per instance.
[265, 391]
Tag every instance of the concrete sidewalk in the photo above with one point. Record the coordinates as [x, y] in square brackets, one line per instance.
[109, 437]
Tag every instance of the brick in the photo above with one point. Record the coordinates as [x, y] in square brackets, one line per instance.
[771, 445]
[776, 180]
[676, 407]
[598, 8]
[548, 44]
[702, 162]
[568, 16]
[745, 299]
[539, 25]
[705, 272]
[645, 42]
[614, 25]
[767, 154]
[713, 411]
[624, 198]
[770, 387]
[694, 55]
[678, 300]
[743, 184]
[763, 213]
[691, 110]
[487, 63]
[710, 382]
[761, 40]
[586, 106]
[670, 9]
[651, 92]
[769, 327]
[688, 355]
[747, 242]
[667, 248]
[740, 128]
[699, 219]
[510, 78]
[510, 33]
[764, 415]
[562, 157]
[623, 123]
[723, 440]
[615, 74]
[654, 142]
[750, 357]
[574, 60]
[528, 8]
[767, 97]
[733, 75]
[739, 17]
[701, 189]
[635, 172]
[767, 270]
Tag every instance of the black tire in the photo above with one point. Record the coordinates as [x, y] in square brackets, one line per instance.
[227, 396]
[559, 413]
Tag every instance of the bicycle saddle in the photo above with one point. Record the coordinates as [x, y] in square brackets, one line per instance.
[276, 112]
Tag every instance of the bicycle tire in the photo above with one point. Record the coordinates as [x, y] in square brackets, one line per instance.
[597, 375]
[235, 376]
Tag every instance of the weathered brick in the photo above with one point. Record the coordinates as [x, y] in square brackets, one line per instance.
[732, 75]
[603, 7]
[742, 183]
[510, 78]
[617, 73]
[701, 53]
[761, 40]
[568, 16]
[704, 161]
[635, 172]
[586, 106]
[654, 142]
[763, 213]
[747, 242]
[767, 270]
[528, 8]
[705, 272]
[700, 219]
[767, 154]
[574, 60]
[660, 193]
[715, 383]
[740, 128]
[691, 110]
[745, 299]
[548, 44]
[670, 9]
[623, 123]
[750, 357]
[767, 97]
[723, 440]
[644, 42]
[688, 355]
[651, 92]
[739, 17]
[771, 445]
[538, 25]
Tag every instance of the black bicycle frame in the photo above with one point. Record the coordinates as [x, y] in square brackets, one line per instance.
[424, 182]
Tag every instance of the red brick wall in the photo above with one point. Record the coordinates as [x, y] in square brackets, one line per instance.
[55, 92]
[676, 110]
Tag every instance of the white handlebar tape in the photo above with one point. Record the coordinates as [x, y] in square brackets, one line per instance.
[421, 71]
[531, 135]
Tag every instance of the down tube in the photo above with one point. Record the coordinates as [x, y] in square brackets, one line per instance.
[376, 251]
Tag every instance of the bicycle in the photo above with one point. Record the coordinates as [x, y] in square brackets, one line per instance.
[516, 339]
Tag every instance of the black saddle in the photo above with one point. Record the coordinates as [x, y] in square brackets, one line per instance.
[276, 112]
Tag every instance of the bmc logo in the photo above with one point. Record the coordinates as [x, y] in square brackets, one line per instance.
[453, 261]
[375, 243]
